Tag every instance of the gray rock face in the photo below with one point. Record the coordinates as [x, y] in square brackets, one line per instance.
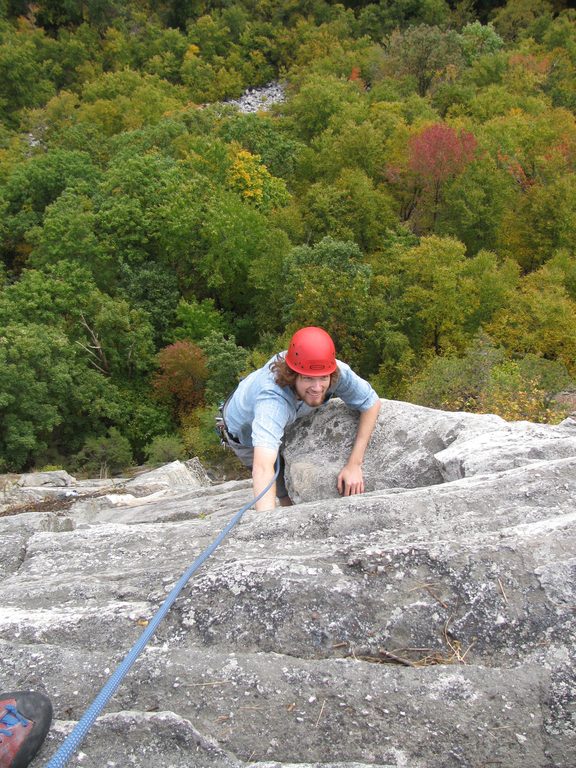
[404, 444]
[428, 623]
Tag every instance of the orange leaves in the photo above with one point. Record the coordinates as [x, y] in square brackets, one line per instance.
[182, 376]
[355, 76]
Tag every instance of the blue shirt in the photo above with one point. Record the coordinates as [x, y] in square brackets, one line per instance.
[259, 411]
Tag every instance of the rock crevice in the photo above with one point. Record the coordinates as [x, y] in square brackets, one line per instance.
[428, 623]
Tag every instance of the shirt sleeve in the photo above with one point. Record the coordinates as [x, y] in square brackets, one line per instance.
[272, 414]
[355, 391]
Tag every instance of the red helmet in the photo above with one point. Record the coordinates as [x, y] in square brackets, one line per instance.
[311, 352]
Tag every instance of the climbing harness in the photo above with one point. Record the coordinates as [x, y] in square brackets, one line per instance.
[220, 425]
[75, 738]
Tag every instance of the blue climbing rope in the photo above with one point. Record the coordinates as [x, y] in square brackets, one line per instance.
[78, 734]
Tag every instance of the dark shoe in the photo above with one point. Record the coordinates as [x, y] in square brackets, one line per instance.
[25, 718]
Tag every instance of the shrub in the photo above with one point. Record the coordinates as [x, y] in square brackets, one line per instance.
[164, 449]
[105, 455]
[484, 381]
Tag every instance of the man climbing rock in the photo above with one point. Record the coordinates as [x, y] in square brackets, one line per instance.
[291, 385]
[25, 718]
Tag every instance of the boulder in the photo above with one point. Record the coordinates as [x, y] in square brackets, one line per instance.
[57, 479]
[402, 449]
[177, 474]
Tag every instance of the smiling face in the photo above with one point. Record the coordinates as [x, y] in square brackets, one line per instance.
[312, 389]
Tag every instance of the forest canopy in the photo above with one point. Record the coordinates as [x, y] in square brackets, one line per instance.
[414, 193]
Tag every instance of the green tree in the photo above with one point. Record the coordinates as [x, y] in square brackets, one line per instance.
[146, 212]
[487, 284]
[38, 368]
[474, 203]
[328, 285]
[379, 19]
[211, 35]
[438, 297]
[265, 136]
[514, 392]
[115, 339]
[68, 231]
[226, 361]
[54, 297]
[518, 17]
[457, 382]
[531, 147]
[478, 40]
[318, 100]
[22, 80]
[350, 208]
[356, 142]
[240, 258]
[539, 319]
[200, 439]
[118, 338]
[542, 221]
[560, 40]
[154, 289]
[197, 319]
[562, 268]
[68, 58]
[126, 100]
[423, 53]
[106, 349]
[199, 77]
[32, 186]
[139, 416]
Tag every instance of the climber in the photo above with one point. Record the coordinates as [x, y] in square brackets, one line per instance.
[25, 718]
[291, 385]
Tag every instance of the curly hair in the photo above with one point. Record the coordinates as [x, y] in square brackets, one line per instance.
[284, 376]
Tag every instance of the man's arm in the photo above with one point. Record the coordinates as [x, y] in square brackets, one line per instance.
[351, 478]
[262, 472]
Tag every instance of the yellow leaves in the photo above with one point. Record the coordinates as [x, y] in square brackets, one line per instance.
[191, 52]
[250, 178]
[247, 176]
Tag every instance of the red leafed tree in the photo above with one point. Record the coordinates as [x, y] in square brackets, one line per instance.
[182, 375]
[436, 154]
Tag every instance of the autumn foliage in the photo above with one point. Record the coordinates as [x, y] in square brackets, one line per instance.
[439, 152]
[182, 376]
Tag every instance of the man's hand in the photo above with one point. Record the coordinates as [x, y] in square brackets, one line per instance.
[351, 480]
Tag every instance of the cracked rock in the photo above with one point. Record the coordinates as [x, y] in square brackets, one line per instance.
[428, 623]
